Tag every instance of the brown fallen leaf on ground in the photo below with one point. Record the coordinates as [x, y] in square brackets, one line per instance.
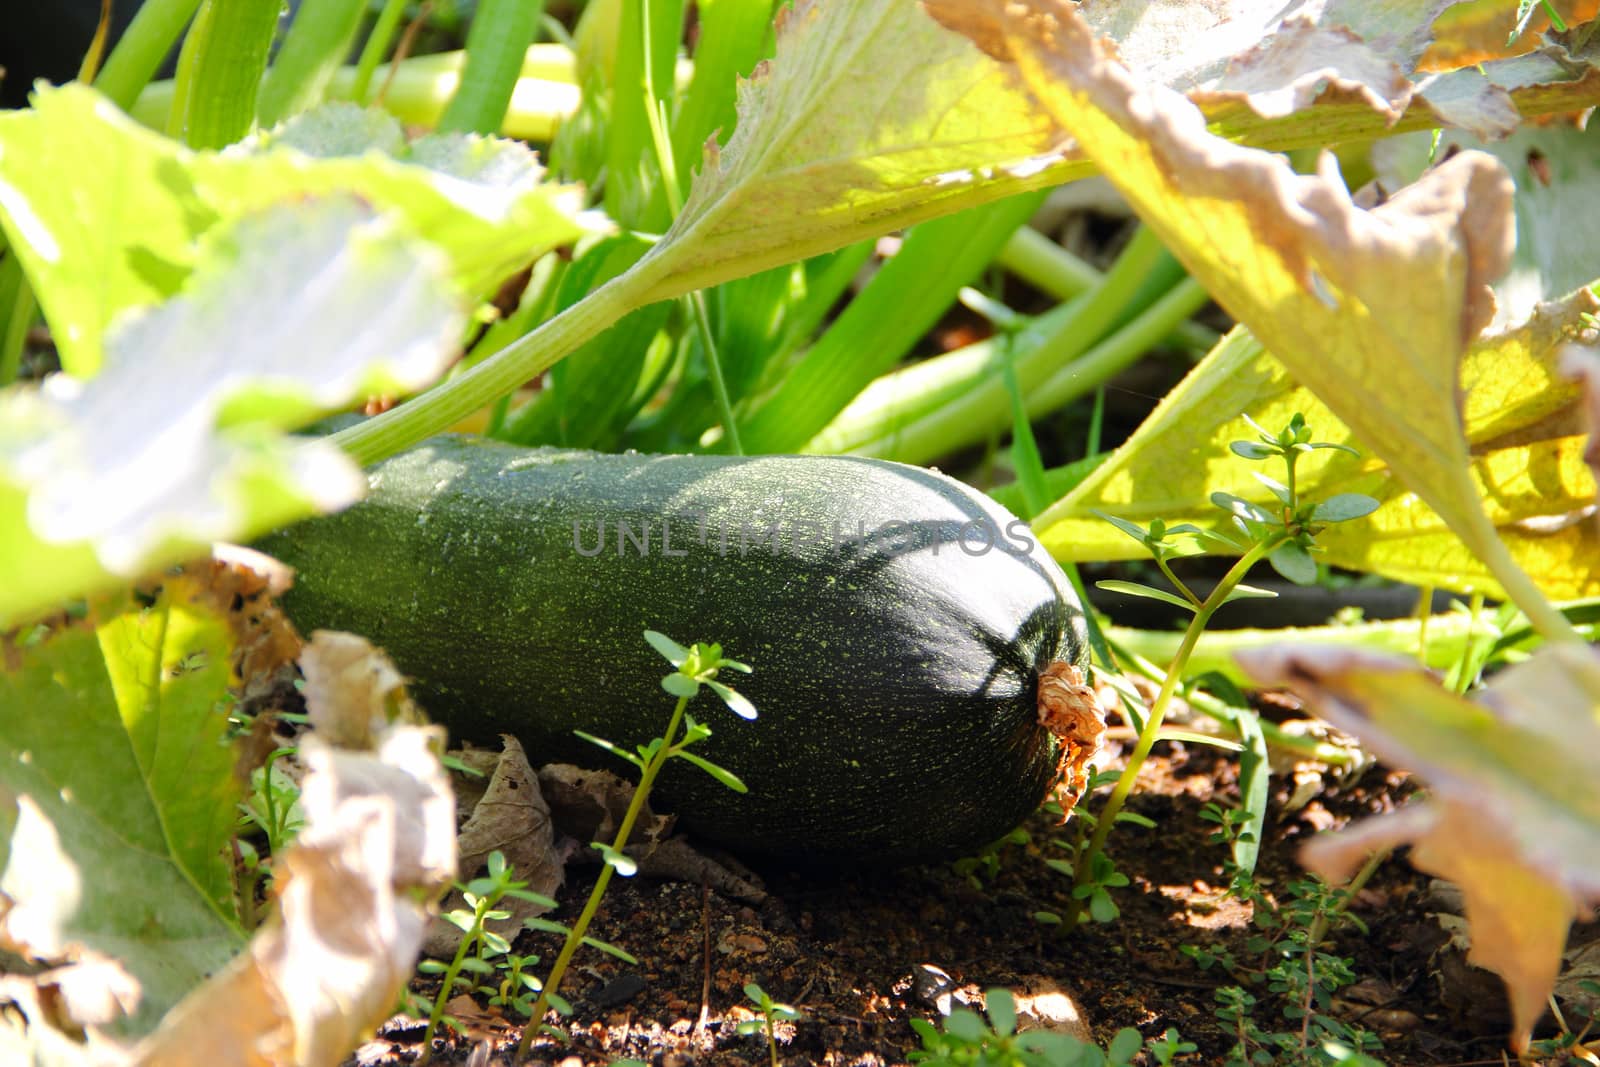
[512, 818]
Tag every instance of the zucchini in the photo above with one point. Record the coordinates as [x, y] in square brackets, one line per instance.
[898, 622]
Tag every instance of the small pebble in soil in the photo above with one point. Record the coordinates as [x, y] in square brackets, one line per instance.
[619, 991]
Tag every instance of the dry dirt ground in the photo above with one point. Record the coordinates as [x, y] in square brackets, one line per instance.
[853, 950]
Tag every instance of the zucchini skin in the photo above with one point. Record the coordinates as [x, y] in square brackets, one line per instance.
[896, 659]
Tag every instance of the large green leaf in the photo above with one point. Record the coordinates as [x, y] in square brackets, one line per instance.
[113, 755]
[178, 441]
[107, 216]
[870, 117]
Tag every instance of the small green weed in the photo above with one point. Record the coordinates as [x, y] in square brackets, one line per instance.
[968, 1041]
[1284, 535]
[1290, 969]
[771, 1012]
[697, 667]
[479, 945]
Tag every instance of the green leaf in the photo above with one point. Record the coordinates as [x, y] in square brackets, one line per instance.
[726, 777]
[1002, 1011]
[1342, 507]
[292, 313]
[1252, 450]
[107, 216]
[608, 948]
[620, 861]
[736, 702]
[673, 652]
[113, 752]
[1291, 560]
[1124, 1046]
[681, 685]
[966, 1025]
[615, 750]
[1145, 591]
[1248, 592]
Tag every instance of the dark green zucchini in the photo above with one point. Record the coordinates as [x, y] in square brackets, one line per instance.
[898, 623]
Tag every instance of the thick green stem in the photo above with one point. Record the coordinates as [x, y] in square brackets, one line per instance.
[496, 44]
[1107, 816]
[375, 48]
[924, 411]
[146, 42]
[500, 374]
[14, 283]
[317, 42]
[219, 71]
[1054, 271]
[1522, 590]
[575, 936]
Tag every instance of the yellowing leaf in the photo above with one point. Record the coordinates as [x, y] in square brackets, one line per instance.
[1371, 310]
[1520, 421]
[869, 118]
[1476, 31]
[1513, 814]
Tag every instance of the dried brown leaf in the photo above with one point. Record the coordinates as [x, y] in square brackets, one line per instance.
[353, 891]
[512, 818]
[1513, 815]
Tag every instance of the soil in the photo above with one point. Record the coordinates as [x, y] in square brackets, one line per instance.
[863, 952]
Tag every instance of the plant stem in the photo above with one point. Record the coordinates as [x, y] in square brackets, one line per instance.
[375, 48]
[20, 317]
[1319, 925]
[496, 44]
[667, 165]
[500, 374]
[575, 936]
[468, 939]
[317, 42]
[1522, 590]
[1107, 816]
[137, 56]
[1054, 271]
[219, 71]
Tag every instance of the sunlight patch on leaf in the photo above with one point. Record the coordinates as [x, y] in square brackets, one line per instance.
[1521, 424]
[1513, 814]
[177, 441]
[868, 118]
[112, 744]
[108, 216]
